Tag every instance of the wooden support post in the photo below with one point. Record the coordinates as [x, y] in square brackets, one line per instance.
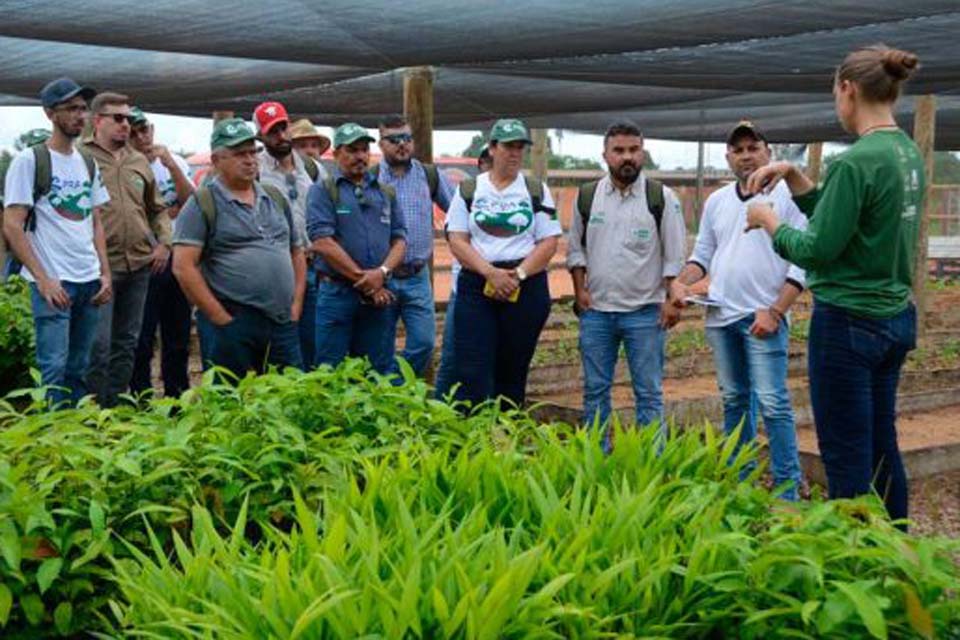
[221, 115]
[418, 110]
[698, 199]
[924, 124]
[538, 154]
[814, 161]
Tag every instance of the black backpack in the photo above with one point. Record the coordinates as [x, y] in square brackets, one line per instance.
[42, 182]
[655, 203]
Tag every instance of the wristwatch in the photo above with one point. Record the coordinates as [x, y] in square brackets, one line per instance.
[521, 274]
[386, 271]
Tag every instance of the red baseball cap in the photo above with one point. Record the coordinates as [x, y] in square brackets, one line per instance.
[267, 114]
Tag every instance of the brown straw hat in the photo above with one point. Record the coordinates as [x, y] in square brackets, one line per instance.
[303, 128]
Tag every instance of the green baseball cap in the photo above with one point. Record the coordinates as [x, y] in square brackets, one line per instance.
[34, 136]
[510, 130]
[349, 133]
[137, 117]
[230, 132]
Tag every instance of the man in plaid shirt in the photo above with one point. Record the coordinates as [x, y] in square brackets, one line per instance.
[418, 186]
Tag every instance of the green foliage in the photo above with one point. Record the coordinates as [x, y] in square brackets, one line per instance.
[335, 504]
[17, 339]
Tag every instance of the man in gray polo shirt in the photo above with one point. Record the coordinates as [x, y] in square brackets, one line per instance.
[237, 256]
[626, 244]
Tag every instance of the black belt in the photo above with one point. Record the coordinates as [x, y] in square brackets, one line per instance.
[507, 264]
[405, 271]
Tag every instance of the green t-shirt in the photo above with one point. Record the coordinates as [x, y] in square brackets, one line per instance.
[859, 250]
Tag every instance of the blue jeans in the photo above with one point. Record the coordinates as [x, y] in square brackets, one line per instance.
[308, 320]
[65, 339]
[494, 341]
[251, 341]
[415, 305]
[168, 308]
[752, 374]
[601, 334]
[446, 371]
[854, 365]
[347, 327]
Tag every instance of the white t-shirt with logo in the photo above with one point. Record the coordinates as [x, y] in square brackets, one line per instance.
[165, 183]
[63, 239]
[502, 224]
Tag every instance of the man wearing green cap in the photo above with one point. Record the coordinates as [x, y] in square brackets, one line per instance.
[358, 231]
[238, 258]
[166, 306]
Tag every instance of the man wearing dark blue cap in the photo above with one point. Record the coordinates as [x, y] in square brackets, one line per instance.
[52, 223]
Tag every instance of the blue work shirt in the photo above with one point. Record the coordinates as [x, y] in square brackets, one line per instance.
[363, 226]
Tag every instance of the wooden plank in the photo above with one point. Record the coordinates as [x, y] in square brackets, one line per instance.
[924, 123]
[538, 154]
[221, 115]
[418, 109]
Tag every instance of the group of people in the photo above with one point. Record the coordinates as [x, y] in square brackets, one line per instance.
[288, 264]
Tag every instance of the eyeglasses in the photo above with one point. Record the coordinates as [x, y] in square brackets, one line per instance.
[398, 138]
[119, 118]
[292, 191]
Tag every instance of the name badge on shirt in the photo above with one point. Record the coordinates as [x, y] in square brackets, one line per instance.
[641, 234]
[343, 210]
[597, 218]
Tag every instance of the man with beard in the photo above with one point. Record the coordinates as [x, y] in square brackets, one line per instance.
[357, 229]
[57, 193]
[418, 186]
[166, 306]
[292, 175]
[753, 288]
[138, 244]
[626, 243]
[309, 142]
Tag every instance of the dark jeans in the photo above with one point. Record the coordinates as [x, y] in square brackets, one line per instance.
[251, 341]
[347, 327]
[64, 340]
[111, 363]
[308, 321]
[494, 341]
[446, 372]
[854, 367]
[167, 308]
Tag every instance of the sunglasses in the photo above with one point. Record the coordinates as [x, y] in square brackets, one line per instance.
[358, 194]
[119, 118]
[398, 138]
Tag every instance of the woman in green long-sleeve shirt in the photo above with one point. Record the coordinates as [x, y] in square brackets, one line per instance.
[859, 252]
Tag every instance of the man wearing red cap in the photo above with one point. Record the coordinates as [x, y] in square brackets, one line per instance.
[292, 175]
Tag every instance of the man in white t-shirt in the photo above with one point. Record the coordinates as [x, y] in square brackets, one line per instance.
[752, 288]
[59, 238]
[166, 306]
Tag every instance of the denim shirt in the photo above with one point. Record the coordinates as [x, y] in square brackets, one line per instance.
[364, 221]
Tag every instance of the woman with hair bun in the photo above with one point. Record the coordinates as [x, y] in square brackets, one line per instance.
[859, 253]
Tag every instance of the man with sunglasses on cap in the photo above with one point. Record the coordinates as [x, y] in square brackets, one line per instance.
[752, 288]
[292, 174]
[138, 243]
[357, 229]
[166, 306]
[418, 187]
[64, 253]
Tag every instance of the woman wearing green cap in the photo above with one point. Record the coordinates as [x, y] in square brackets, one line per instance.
[859, 252]
[503, 229]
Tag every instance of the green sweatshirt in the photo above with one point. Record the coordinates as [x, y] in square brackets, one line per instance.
[859, 249]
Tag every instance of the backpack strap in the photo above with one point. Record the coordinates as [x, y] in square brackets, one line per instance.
[655, 200]
[42, 181]
[433, 180]
[468, 188]
[310, 166]
[584, 205]
[331, 186]
[276, 196]
[208, 207]
[535, 189]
